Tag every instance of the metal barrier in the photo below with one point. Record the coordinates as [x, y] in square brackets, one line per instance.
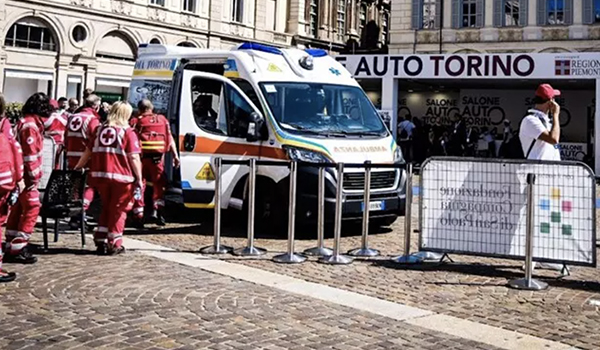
[364, 249]
[217, 248]
[320, 249]
[406, 258]
[480, 206]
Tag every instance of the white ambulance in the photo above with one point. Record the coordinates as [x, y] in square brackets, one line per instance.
[257, 101]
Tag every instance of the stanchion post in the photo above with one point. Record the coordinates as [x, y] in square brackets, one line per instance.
[336, 258]
[528, 283]
[364, 250]
[290, 257]
[320, 249]
[406, 258]
[217, 248]
[250, 249]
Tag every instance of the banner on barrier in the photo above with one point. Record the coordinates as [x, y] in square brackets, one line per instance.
[478, 207]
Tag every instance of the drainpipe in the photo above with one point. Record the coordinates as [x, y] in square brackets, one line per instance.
[441, 25]
[209, 24]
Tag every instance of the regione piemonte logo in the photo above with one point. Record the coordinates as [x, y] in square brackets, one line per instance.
[562, 67]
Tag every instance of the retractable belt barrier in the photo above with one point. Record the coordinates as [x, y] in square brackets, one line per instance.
[327, 256]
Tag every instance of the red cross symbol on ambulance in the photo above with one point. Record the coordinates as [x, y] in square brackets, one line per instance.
[75, 124]
[108, 136]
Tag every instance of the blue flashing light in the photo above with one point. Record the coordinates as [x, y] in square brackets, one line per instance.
[316, 52]
[185, 185]
[260, 47]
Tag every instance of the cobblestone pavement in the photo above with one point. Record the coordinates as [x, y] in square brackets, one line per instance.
[471, 288]
[74, 300]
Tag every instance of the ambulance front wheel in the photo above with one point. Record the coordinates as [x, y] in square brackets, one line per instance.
[270, 210]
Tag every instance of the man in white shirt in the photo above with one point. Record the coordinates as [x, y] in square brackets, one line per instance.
[539, 138]
[405, 131]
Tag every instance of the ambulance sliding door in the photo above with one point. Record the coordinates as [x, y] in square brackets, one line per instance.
[213, 122]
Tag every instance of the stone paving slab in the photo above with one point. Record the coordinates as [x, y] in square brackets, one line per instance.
[74, 300]
[472, 288]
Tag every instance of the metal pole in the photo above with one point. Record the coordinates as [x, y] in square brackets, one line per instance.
[528, 283]
[217, 248]
[320, 250]
[336, 258]
[364, 249]
[250, 249]
[406, 258]
[290, 257]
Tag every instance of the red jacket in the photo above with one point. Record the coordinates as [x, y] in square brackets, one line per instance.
[55, 127]
[110, 151]
[7, 130]
[81, 128]
[30, 131]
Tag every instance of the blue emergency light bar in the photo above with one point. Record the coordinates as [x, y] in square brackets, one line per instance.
[260, 47]
[316, 52]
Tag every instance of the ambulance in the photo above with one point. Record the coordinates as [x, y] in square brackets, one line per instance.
[263, 102]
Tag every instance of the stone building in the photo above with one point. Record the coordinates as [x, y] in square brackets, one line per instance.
[64, 46]
[469, 26]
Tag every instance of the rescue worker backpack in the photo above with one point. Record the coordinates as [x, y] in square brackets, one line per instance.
[8, 163]
[153, 133]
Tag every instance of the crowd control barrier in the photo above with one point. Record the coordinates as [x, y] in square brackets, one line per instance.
[327, 256]
[515, 209]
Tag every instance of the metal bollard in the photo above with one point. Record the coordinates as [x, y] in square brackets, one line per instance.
[320, 249]
[336, 258]
[528, 283]
[250, 249]
[406, 258]
[290, 257]
[364, 250]
[217, 248]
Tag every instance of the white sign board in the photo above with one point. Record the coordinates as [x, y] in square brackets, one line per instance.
[479, 208]
[475, 66]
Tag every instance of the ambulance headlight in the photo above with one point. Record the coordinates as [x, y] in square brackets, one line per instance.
[304, 155]
[307, 62]
[398, 156]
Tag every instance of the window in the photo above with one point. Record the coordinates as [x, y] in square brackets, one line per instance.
[271, 15]
[511, 13]
[79, 33]
[30, 35]
[385, 28]
[341, 19]
[596, 17]
[429, 14]
[186, 44]
[362, 17]
[469, 13]
[189, 6]
[219, 108]
[555, 12]
[157, 2]
[237, 12]
[313, 18]
[155, 41]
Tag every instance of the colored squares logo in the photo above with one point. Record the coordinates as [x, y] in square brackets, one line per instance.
[555, 216]
[555, 193]
[544, 204]
[567, 230]
[544, 227]
[567, 206]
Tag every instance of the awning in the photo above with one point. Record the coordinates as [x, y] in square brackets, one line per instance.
[19, 74]
[113, 82]
[74, 80]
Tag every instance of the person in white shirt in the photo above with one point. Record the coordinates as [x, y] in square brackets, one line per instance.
[539, 137]
[405, 132]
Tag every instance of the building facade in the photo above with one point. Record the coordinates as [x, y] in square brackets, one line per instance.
[470, 26]
[62, 47]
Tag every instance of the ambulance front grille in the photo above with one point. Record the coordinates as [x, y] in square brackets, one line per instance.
[379, 180]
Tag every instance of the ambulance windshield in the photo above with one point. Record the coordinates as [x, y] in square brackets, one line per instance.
[322, 109]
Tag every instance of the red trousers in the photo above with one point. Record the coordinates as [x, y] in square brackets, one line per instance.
[3, 215]
[154, 172]
[117, 199]
[22, 219]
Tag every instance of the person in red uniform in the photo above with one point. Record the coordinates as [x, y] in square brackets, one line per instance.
[81, 128]
[24, 214]
[55, 127]
[156, 139]
[116, 172]
[11, 175]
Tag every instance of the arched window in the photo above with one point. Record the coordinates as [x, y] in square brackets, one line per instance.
[31, 33]
[155, 41]
[116, 45]
[186, 44]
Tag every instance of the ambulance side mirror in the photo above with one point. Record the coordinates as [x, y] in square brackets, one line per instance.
[189, 142]
[255, 125]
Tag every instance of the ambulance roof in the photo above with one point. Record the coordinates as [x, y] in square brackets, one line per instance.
[262, 63]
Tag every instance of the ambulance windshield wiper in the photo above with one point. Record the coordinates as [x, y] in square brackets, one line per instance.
[363, 133]
[313, 132]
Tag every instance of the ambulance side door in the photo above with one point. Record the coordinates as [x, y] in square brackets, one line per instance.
[214, 119]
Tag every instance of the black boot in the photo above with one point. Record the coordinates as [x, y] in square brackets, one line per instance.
[101, 248]
[158, 218]
[116, 251]
[24, 257]
[6, 276]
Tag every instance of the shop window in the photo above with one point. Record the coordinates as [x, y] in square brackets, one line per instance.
[341, 19]
[237, 11]
[591, 11]
[426, 14]
[80, 34]
[157, 2]
[30, 34]
[189, 6]
[555, 12]
[313, 18]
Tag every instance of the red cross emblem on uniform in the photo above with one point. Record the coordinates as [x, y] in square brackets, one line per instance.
[108, 136]
[76, 123]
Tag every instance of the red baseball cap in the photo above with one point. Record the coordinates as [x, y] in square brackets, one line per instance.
[54, 103]
[546, 92]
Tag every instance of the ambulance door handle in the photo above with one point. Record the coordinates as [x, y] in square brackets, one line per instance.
[189, 142]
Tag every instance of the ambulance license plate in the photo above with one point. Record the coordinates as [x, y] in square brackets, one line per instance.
[374, 206]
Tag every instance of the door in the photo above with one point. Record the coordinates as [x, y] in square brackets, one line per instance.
[214, 115]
